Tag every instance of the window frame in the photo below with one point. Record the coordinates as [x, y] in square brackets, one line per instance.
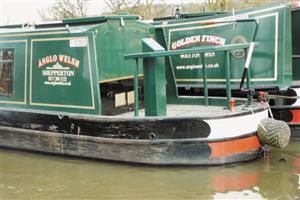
[11, 91]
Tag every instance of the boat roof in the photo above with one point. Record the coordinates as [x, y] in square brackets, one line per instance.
[243, 13]
[188, 15]
[80, 24]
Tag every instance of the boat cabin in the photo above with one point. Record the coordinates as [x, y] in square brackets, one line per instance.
[65, 66]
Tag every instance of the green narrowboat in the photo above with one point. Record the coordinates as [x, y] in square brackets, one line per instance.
[274, 67]
[108, 88]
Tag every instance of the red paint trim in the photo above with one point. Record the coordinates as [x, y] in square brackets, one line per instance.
[231, 147]
[296, 116]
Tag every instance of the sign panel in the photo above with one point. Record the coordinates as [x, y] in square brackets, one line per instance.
[188, 67]
[61, 74]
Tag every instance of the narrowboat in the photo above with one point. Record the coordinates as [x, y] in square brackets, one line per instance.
[110, 88]
[274, 68]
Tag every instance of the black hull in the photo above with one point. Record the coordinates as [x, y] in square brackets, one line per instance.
[192, 140]
[291, 115]
[161, 152]
[295, 131]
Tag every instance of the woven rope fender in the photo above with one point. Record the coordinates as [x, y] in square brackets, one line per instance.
[273, 132]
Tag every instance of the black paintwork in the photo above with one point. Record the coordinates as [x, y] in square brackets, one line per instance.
[290, 93]
[295, 130]
[177, 128]
[171, 152]
[282, 114]
[156, 140]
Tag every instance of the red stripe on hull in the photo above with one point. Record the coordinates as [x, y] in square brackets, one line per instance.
[296, 116]
[231, 147]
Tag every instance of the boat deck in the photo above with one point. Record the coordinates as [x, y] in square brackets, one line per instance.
[296, 83]
[198, 110]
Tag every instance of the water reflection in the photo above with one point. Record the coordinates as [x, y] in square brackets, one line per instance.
[274, 177]
[33, 176]
[296, 168]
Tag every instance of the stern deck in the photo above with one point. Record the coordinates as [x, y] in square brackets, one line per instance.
[175, 110]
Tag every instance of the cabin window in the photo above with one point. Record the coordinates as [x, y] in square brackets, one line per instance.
[6, 71]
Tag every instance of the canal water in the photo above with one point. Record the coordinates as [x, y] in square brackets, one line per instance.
[35, 176]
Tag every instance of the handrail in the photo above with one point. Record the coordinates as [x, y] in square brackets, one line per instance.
[200, 50]
[247, 63]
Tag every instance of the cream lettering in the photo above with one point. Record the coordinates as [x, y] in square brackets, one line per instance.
[198, 39]
[66, 59]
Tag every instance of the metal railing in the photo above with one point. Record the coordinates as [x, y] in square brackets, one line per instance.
[201, 51]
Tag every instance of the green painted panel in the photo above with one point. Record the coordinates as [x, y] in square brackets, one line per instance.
[113, 41]
[188, 68]
[154, 80]
[54, 71]
[61, 73]
[271, 62]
